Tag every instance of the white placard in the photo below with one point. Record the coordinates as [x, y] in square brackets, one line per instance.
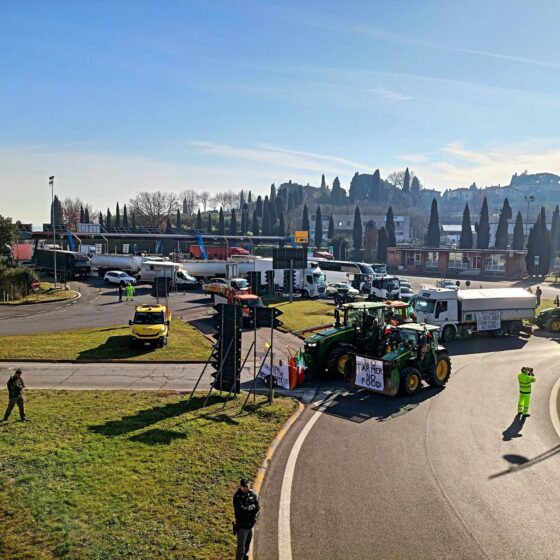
[280, 374]
[126, 248]
[369, 373]
[488, 320]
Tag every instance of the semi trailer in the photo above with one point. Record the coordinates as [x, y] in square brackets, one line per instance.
[69, 264]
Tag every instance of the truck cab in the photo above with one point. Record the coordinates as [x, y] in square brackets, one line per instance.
[438, 306]
[150, 325]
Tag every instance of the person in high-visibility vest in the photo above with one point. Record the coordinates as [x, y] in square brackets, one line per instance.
[526, 379]
[129, 292]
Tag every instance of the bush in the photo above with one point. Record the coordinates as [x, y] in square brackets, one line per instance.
[16, 281]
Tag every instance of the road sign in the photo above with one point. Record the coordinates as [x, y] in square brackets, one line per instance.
[289, 258]
[301, 237]
[35, 284]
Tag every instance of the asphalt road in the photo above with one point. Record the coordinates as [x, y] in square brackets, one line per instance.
[443, 475]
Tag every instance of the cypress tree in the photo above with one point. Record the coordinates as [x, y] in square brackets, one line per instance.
[279, 204]
[249, 198]
[108, 220]
[502, 229]
[483, 227]
[353, 193]
[86, 215]
[266, 230]
[415, 187]
[199, 220]
[555, 233]
[330, 234]
[318, 227]
[466, 239]
[233, 223]
[178, 219]
[101, 223]
[255, 227]
[118, 216]
[518, 235]
[272, 192]
[125, 217]
[323, 182]
[133, 223]
[357, 230]
[221, 223]
[538, 245]
[406, 181]
[375, 186]
[209, 226]
[370, 241]
[281, 225]
[382, 245]
[244, 219]
[259, 206]
[290, 202]
[271, 206]
[241, 199]
[390, 228]
[432, 237]
[168, 224]
[82, 215]
[305, 219]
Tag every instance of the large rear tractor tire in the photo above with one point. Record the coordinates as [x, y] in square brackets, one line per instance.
[411, 382]
[338, 359]
[441, 372]
[449, 334]
[553, 325]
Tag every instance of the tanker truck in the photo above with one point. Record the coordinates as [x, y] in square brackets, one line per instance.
[497, 311]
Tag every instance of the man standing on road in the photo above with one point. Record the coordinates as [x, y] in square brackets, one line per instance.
[15, 394]
[120, 293]
[246, 507]
[129, 292]
[538, 293]
[526, 379]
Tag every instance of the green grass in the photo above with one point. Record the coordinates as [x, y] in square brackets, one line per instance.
[46, 293]
[108, 343]
[545, 304]
[122, 475]
[305, 314]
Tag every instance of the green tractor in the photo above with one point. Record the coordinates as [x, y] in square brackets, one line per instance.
[359, 327]
[416, 357]
[549, 319]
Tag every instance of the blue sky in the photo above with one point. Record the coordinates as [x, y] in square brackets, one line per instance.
[115, 97]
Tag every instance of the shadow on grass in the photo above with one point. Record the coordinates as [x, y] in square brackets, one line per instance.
[150, 416]
[360, 405]
[157, 437]
[115, 348]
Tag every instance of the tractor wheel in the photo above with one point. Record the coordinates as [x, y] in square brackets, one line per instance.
[515, 328]
[449, 334]
[337, 360]
[441, 372]
[411, 382]
[553, 325]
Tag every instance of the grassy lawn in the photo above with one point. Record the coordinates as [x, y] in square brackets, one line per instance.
[108, 343]
[545, 304]
[303, 314]
[46, 293]
[115, 475]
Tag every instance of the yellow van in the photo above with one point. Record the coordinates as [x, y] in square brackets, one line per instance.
[150, 324]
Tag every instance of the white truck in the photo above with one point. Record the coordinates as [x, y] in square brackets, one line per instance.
[383, 287]
[152, 270]
[498, 311]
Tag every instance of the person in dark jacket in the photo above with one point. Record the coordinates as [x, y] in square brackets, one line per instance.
[15, 394]
[246, 507]
[120, 293]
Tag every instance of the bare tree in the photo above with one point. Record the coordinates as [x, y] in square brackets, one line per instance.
[188, 198]
[370, 241]
[213, 203]
[153, 208]
[203, 198]
[71, 211]
[397, 178]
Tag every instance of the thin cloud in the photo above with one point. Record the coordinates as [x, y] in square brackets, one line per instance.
[389, 94]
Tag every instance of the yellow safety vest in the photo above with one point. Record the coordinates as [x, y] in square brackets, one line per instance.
[525, 381]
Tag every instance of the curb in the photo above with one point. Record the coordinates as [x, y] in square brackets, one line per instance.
[77, 295]
[553, 406]
[259, 479]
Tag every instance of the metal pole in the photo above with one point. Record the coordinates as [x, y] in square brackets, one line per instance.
[291, 280]
[254, 351]
[270, 379]
[53, 220]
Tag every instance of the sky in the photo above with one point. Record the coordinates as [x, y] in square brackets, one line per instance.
[116, 97]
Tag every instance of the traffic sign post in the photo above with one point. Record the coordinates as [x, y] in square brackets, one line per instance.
[301, 237]
[35, 284]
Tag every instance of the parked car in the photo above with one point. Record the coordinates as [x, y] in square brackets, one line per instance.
[341, 288]
[119, 277]
[450, 284]
[406, 293]
[405, 283]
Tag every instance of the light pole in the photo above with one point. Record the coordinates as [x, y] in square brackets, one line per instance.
[53, 223]
[528, 200]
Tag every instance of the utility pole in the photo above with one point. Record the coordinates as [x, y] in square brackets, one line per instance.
[53, 223]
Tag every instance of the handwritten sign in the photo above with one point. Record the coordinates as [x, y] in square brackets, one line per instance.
[488, 320]
[369, 373]
[280, 374]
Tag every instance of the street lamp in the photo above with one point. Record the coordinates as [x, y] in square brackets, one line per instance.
[53, 223]
[528, 200]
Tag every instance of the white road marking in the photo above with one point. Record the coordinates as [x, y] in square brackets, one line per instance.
[284, 527]
[553, 406]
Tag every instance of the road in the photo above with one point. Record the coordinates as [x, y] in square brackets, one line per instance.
[428, 477]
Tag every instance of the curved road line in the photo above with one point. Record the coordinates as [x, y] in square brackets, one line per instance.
[284, 528]
[553, 403]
